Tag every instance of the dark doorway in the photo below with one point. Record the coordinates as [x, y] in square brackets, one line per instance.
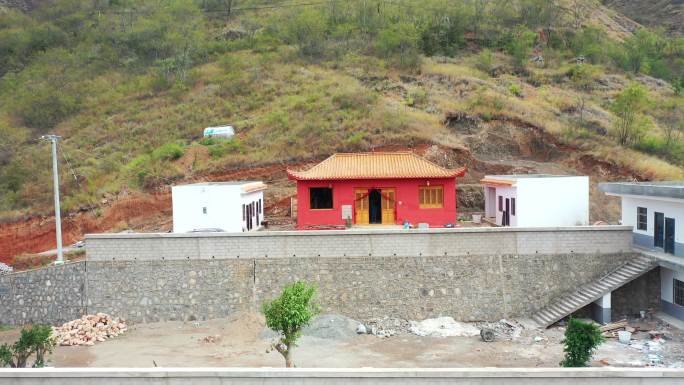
[507, 213]
[375, 207]
[670, 235]
[658, 227]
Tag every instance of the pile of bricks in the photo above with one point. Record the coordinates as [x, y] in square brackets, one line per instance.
[89, 329]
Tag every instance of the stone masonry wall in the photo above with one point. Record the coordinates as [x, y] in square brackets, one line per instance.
[641, 294]
[466, 288]
[471, 275]
[50, 295]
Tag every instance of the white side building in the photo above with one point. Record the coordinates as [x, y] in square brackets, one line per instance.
[537, 200]
[655, 210]
[226, 206]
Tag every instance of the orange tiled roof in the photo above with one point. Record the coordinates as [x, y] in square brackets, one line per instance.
[375, 165]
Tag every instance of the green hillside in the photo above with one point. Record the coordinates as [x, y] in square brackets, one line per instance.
[130, 85]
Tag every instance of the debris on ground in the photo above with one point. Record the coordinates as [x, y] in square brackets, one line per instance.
[443, 327]
[5, 268]
[387, 327]
[487, 335]
[89, 329]
[611, 330]
[211, 339]
[506, 329]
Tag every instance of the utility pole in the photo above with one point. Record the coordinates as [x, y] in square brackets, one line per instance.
[55, 174]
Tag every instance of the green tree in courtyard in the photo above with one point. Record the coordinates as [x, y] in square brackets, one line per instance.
[581, 340]
[288, 314]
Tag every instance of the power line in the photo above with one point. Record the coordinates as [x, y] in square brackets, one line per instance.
[61, 149]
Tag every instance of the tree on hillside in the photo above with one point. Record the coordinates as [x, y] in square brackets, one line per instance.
[579, 10]
[672, 115]
[289, 314]
[520, 46]
[582, 80]
[628, 108]
[306, 29]
[399, 41]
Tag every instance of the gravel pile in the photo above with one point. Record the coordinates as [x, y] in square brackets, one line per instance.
[332, 327]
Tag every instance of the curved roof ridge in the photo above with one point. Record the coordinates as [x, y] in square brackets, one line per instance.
[375, 165]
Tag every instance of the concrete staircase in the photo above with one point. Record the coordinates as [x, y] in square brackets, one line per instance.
[589, 293]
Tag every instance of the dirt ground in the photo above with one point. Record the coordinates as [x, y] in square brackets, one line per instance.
[243, 341]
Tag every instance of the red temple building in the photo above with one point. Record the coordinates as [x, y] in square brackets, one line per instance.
[378, 188]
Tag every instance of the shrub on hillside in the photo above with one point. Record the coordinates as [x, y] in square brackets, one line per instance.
[485, 61]
[168, 151]
[223, 147]
[44, 107]
[399, 43]
[515, 89]
[581, 340]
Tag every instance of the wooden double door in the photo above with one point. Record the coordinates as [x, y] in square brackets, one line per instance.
[375, 206]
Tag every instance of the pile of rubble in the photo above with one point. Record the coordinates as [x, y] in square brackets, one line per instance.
[89, 329]
[507, 329]
[645, 336]
[385, 327]
[5, 268]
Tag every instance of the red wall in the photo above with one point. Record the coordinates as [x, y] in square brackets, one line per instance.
[406, 201]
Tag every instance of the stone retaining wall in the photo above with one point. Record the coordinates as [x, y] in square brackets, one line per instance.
[464, 287]
[51, 295]
[414, 275]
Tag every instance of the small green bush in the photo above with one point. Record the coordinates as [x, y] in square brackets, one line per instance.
[168, 151]
[485, 61]
[224, 147]
[36, 339]
[581, 340]
[515, 89]
[5, 356]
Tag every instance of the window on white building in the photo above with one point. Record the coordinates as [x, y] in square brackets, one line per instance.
[512, 206]
[678, 296]
[204, 210]
[642, 218]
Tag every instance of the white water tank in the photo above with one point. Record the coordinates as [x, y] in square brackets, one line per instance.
[219, 132]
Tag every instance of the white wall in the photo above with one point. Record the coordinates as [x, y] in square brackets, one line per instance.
[490, 201]
[223, 203]
[505, 193]
[553, 201]
[671, 208]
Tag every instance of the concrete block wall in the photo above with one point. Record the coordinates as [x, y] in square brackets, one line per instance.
[357, 243]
